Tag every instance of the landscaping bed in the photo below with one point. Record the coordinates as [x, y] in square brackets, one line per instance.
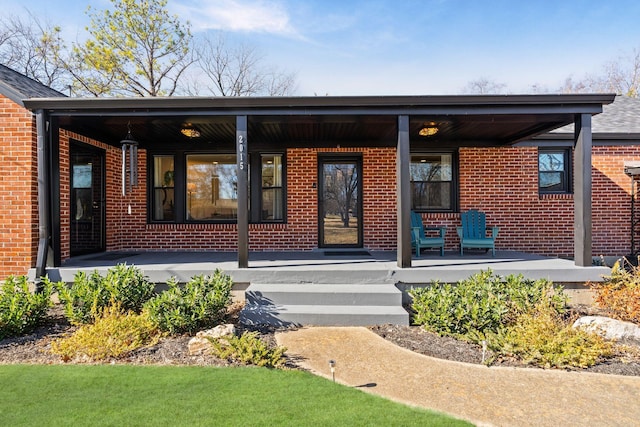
[172, 350]
[416, 339]
[117, 319]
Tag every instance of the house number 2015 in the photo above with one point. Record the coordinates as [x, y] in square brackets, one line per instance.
[241, 150]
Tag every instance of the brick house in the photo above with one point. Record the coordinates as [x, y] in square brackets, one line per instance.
[299, 174]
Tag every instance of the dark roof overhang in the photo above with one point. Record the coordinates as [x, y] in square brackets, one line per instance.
[471, 120]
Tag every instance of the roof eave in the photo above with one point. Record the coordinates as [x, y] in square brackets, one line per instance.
[587, 103]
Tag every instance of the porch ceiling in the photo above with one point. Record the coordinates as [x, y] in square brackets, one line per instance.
[461, 120]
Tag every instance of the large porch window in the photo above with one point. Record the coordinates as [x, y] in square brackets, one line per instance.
[432, 182]
[186, 187]
[212, 187]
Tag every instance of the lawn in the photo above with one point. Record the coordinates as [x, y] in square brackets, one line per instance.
[64, 395]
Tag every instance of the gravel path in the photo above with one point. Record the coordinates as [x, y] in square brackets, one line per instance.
[497, 396]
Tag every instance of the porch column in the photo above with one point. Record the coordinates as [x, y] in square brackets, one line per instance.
[582, 191]
[243, 192]
[403, 186]
[43, 195]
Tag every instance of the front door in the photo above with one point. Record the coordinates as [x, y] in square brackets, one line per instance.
[340, 207]
[87, 199]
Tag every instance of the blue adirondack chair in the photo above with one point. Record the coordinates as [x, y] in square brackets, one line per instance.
[418, 238]
[473, 233]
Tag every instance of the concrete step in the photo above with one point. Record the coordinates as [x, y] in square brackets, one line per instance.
[323, 315]
[323, 304]
[323, 294]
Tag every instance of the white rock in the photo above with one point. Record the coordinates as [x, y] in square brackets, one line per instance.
[610, 328]
[200, 344]
[217, 332]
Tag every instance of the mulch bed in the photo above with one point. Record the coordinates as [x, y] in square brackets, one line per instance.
[35, 348]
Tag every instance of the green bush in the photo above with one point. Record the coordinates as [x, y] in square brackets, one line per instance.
[483, 303]
[541, 337]
[113, 334]
[249, 349]
[199, 304]
[89, 294]
[619, 294]
[21, 310]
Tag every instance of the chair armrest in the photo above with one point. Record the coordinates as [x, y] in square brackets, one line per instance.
[459, 230]
[441, 230]
[494, 232]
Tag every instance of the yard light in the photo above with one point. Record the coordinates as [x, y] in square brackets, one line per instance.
[332, 366]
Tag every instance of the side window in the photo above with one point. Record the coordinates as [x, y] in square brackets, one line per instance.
[272, 188]
[554, 171]
[163, 203]
[432, 182]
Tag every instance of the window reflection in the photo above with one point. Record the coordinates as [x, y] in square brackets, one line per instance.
[212, 187]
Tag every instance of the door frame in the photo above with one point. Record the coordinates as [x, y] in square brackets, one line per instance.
[324, 158]
[75, 148]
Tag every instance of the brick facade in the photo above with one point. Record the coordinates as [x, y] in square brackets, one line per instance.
[500, 181]
[18, 189]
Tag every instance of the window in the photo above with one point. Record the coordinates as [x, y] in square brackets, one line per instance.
[202, 187]
[272, 191]
[432, 182]
[163, 203]
[212, 187]
[554, 171]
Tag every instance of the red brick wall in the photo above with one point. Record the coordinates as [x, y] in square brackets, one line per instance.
[299, 233]
[503, 183]
[18, 190]
[499, 181]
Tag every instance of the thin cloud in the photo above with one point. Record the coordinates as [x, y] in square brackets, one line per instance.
[256, 16]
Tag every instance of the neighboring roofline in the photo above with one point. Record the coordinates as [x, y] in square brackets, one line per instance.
[623, 136]
[9, 92]
[15, 94]
[440, 104]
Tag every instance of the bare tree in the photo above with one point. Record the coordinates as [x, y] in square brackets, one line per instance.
[620, 76]
[484, 86]
[32, 47]
[236, 71]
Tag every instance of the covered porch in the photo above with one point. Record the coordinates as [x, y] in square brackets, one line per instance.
[315, 127]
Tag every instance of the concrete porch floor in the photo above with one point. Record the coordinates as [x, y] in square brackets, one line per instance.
[332, 266]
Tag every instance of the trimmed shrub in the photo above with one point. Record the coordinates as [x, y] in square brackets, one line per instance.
[540, 337]
[201, 303]
[21, 310]
[89, 294]
[113, 334]
[483, 303]
[249, 349]
[619, 294]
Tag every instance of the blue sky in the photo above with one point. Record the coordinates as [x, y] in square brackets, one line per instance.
[404, 47]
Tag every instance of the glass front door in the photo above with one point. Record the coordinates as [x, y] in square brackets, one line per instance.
[87, 200]
[340, 210]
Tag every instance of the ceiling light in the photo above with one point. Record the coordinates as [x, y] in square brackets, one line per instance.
[428, 129]
[190, 131]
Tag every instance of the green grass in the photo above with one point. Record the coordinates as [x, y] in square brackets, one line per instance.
[107, 395]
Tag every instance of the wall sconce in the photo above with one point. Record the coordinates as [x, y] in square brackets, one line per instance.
[190, 131]
[429, 129]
